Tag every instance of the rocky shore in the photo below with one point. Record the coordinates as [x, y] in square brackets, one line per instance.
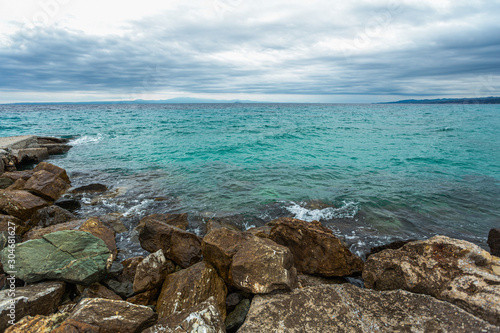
[59, 272]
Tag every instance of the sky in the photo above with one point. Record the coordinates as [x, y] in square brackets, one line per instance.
[274, 50]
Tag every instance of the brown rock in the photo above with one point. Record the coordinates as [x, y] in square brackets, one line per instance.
[213, 224]
[130, 268]
[203, 317]
[494, 241]
[448, 269]
[37, 324]
[98, 229]
[152, 271]
[146, 298]
[305, 280]
[35, 299]
[183, 247]
[190, 287]
[262, 232]
[113, 221]
[38, 233]
[4, 181]
[96, 290]
[51, 215]
[7, 221]
[177, 220]
[92, 188]
[17, 185]
[113, 316]
[392, 246]
[59, 172]
[73, 326]
[20, 204]
[347, 308]
[15, 175]
[315, 249]
[46, 185]
[56, 149]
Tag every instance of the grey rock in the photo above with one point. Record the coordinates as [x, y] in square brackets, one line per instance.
[236, 318]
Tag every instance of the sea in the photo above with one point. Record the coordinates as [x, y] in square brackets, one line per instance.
[372, 173]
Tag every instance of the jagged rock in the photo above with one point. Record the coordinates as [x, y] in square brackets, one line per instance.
[17, 185]
[347, 308]
[305, 280]
[36, 299]
[69, 255]
[73, 326]
[71, 205]
[7, 221]
[91, 188]
[15, 175]
[30, 155]
[37, 324]
[146, 298]
[98, 229]
[392, 246]
[180, 246]
[59, 172]
[262, 232]
[51, 215]
[20, 204]
[494, 241]
[452, 270]
[315, 249]
[113, 316]
[96, 290]
[236, 318]
[203, 317]
[189, 287]
[177, 220]
[56, 149]
[152, 271]
[46, 185]
[123, 288]
[5, 182]
[37, 233]
[130, 268]
[214, 223]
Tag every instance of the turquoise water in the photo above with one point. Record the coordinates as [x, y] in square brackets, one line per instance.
[369, 172]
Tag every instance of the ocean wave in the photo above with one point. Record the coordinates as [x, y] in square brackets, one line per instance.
[347, 210]
[87, 139]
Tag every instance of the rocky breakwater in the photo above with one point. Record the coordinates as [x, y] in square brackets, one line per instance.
[287, 276]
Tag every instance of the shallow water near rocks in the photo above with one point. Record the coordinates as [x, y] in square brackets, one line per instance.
[371, 173]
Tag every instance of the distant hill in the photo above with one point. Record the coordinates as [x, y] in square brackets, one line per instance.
[177, 100]
[480, 100]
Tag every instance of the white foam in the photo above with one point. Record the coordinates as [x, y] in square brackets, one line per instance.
[348, 210]
[86, 139]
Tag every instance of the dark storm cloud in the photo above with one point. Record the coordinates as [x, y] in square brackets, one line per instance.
[379, 50]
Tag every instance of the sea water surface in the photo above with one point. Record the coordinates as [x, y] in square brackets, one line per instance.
[371, 173]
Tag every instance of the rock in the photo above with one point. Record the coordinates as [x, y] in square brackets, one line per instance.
[72, 256]
[315, 249]
[130, 268]
[204, 317]
[96, 290]
[7, 221]
[393, 246]
[46, 185]
[113, 316]
[347, 308]
[182, 247]
[17, 185]
[73, 326]
[261, 266]
[92, 188]
[262, 232]
[452, 270]
[37, 233]
[236, 318]
[59, 172]
[124, 289]
[232, 300]
[51, 215]
[177, 220]
[20, 204]
[213, 224]
[189, 287]
[56, 149]
[37, 324]
[15, 175]
[152, 271]
[30, 155]
[42, 140]
[36, 299]
[113, 221]
[305, 280]
[146, 298]
[494, 241]
[71, 205]
[98, 229]
[5, 182]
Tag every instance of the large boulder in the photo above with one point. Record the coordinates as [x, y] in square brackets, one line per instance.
[36, 299]
[46, 185]
[347, 308]
[51, 215]
[203, 317]
[113, 316]
[248, 262]
[177, 220]
[59, 172]
[152, 271]
[452, 270]
[315, 249]
[96, 290]
[180, 246]
[494, 241]
[73, 256]
[20, 204]
[38, 324]
[98, 229]
[15, 175]
[190, 287]
[37, 233]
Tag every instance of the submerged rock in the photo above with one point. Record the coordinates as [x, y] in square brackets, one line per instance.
[347, 308]
[453, 270]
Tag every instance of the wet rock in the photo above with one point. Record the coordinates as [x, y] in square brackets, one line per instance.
[452, 270]
[38, 233]
[7, 221]
[51, 215]
[392, 246]
[59, 172]
[73, 326]
[152, 271]
[36, 299]
[98, 229]
[46, 185]
[71, 256]
[236, 318]
[494, 241]
[146, 298]
[182, 247]
[113, 316]
[113, 221]
[5, 182]
[96, 290]
[91, 188]
[347, 308]
[20, 204]
[204, 317]
[177, 220]
[37, 324]
[315, 249]
[189, 287]
[71, 205]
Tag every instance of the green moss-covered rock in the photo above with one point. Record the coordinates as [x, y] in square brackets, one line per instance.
[69, 255]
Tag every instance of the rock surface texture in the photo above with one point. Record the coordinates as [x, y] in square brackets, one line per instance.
[494, 241]
[452, 270]
[151, 272]
[20, 204]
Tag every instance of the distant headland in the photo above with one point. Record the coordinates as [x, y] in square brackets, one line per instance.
[479, 100]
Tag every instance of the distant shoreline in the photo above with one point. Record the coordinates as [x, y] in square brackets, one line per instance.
[479, 100]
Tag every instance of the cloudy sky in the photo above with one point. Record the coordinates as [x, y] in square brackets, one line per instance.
[274, 50]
